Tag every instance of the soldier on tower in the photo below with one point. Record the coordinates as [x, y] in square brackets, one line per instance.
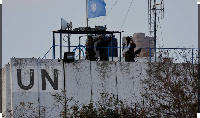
[103, 50]
[90, 53]
[130, 54]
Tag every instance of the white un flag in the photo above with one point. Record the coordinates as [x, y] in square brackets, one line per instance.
[96, 8]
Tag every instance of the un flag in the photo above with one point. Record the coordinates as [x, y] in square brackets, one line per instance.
[96, 8]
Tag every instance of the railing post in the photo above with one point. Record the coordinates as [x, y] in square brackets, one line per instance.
[108, 53]
[53, 45]
[192, 56]
[112, 46]
[60, 45]
[120, 48]
[150, 54]
[155, 53]
[85, 51]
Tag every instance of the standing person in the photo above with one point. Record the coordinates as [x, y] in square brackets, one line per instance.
[103, 50]
[90, 53]
[130, 55]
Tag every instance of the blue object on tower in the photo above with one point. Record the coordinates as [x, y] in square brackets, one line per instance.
[96, 8]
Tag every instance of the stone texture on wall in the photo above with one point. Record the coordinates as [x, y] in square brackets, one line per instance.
[24, 77]
[6, 91]
[40, 87]
[49, 105]
[78, 81]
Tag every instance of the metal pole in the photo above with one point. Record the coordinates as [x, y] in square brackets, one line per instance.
[68, 41]
[87, 16]
[150, 17]
[192, 56]
[198, 58]
[60, 45]
[86, 13]
[150, 54]
[108, 53]
[54, 46]
[1, 48]
[112, 46]
[120, 48]
[79, 47]
[155, 28]
[148, 13]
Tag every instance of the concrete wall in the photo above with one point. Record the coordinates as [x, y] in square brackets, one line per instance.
[6, 91]
[24, 77]
[35, 87]
[49, 105]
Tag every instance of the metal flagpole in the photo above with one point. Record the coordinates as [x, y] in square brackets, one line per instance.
[86, 13]
[198, 58]
[86, 19]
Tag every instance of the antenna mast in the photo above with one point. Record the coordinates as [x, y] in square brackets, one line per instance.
[152, 21]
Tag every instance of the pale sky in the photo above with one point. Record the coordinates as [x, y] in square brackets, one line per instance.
[28, 24]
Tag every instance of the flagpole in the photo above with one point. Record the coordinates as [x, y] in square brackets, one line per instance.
[86, 13]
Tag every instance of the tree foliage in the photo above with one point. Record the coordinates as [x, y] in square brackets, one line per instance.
[170, 89]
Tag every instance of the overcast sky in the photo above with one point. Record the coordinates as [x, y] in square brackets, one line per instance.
[28, 24]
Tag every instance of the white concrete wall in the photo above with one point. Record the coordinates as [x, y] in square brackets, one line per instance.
[129, 86]
[49, 105]
[6, 91]
[103, 80]
[78, 81]
[24, 99]
[83, 81]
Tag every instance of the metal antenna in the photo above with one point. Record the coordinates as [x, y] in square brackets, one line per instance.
[152, 11]
[162, 9]
[149, 16]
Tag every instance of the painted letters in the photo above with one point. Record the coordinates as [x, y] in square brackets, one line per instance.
[19, 79]
[44, 75]
[53, 84]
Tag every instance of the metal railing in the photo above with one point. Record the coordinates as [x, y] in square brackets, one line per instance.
[178, 55]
